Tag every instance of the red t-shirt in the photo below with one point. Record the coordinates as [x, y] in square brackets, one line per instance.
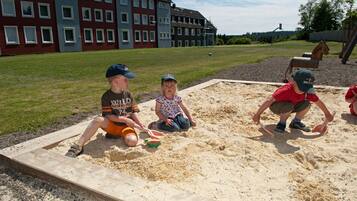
[349, 94]
[351, 90]
[287, 93]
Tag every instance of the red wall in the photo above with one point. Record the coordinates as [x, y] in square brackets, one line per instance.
[20, 21]
[142, 28]
[98, 25]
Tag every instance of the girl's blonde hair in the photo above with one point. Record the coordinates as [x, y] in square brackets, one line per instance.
[162, 87]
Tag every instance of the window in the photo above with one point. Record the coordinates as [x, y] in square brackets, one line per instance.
[152, 36]
[124, 18]
[145, 36]
[193, 43]
[151, 4]
[27, 9]
[198, 32]
[8, 8]
[192, 32]
[144, 3]
[86, 14]
[69, 35]
[137, 36]
[187, 43]
[136, 3]
[181, 19]
[125, 36]
[172, 31]
[179, 31]
[152, 20]
[109, 16]
[11, 35]
[173, 43]
[98, 15]
[88, 35]
[136, 18]
[46, 33]
[187, 32]
[144, 19]
[67, 12]
[108, 1]
[44, 10]
[179, 43]
[110, 36]
[30, 34]
[124, 2]
[100, 35]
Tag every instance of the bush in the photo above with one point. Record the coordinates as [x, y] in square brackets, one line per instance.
[302, 35]
[220, 41]
[239, 41]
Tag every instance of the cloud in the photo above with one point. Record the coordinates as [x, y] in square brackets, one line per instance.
[241, 16]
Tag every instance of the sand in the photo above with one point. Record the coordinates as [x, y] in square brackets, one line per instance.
[227, 157]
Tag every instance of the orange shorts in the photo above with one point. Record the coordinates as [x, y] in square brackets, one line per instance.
[116, 130]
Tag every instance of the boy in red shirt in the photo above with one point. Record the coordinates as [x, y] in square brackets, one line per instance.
[294, 97]
[351, 97]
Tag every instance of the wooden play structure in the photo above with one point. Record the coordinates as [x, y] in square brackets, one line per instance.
[350, 44]
[307, 60]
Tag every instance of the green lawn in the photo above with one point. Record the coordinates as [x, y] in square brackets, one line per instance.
[38, 90]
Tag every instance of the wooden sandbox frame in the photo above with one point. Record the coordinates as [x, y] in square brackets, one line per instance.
[33, 157]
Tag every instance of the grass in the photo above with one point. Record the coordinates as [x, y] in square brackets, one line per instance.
[38, 90]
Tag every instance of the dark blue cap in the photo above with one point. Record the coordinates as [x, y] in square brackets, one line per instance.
[168, 77]
[119, 69]
[304, 80]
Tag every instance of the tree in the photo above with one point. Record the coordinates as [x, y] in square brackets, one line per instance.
[351, 15]
[320, 15]
[327, 16]
[306, 14]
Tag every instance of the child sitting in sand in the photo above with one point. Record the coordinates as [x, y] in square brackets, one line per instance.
[351, 97]
[294, 97]
[169, 107]
[119, 112]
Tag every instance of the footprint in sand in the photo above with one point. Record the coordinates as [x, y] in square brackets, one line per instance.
[116, 154]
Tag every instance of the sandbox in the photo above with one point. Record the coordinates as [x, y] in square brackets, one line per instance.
[226, 157]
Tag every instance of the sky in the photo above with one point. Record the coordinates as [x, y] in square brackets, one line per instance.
[242, 16]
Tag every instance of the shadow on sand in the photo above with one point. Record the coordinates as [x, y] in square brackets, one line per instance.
[280, 141]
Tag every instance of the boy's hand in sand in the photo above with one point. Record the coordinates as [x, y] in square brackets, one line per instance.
[168, 122]
[193, 123]
[256, 118]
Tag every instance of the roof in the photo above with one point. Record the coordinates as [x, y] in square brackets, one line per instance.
[167, 1]
[186, 13]
[209, 25]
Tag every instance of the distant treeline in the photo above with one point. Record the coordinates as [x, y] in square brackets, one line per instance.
[248, 38]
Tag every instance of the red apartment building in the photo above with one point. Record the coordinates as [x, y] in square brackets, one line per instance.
[98, 24]
[28, 27]
[144, 23]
